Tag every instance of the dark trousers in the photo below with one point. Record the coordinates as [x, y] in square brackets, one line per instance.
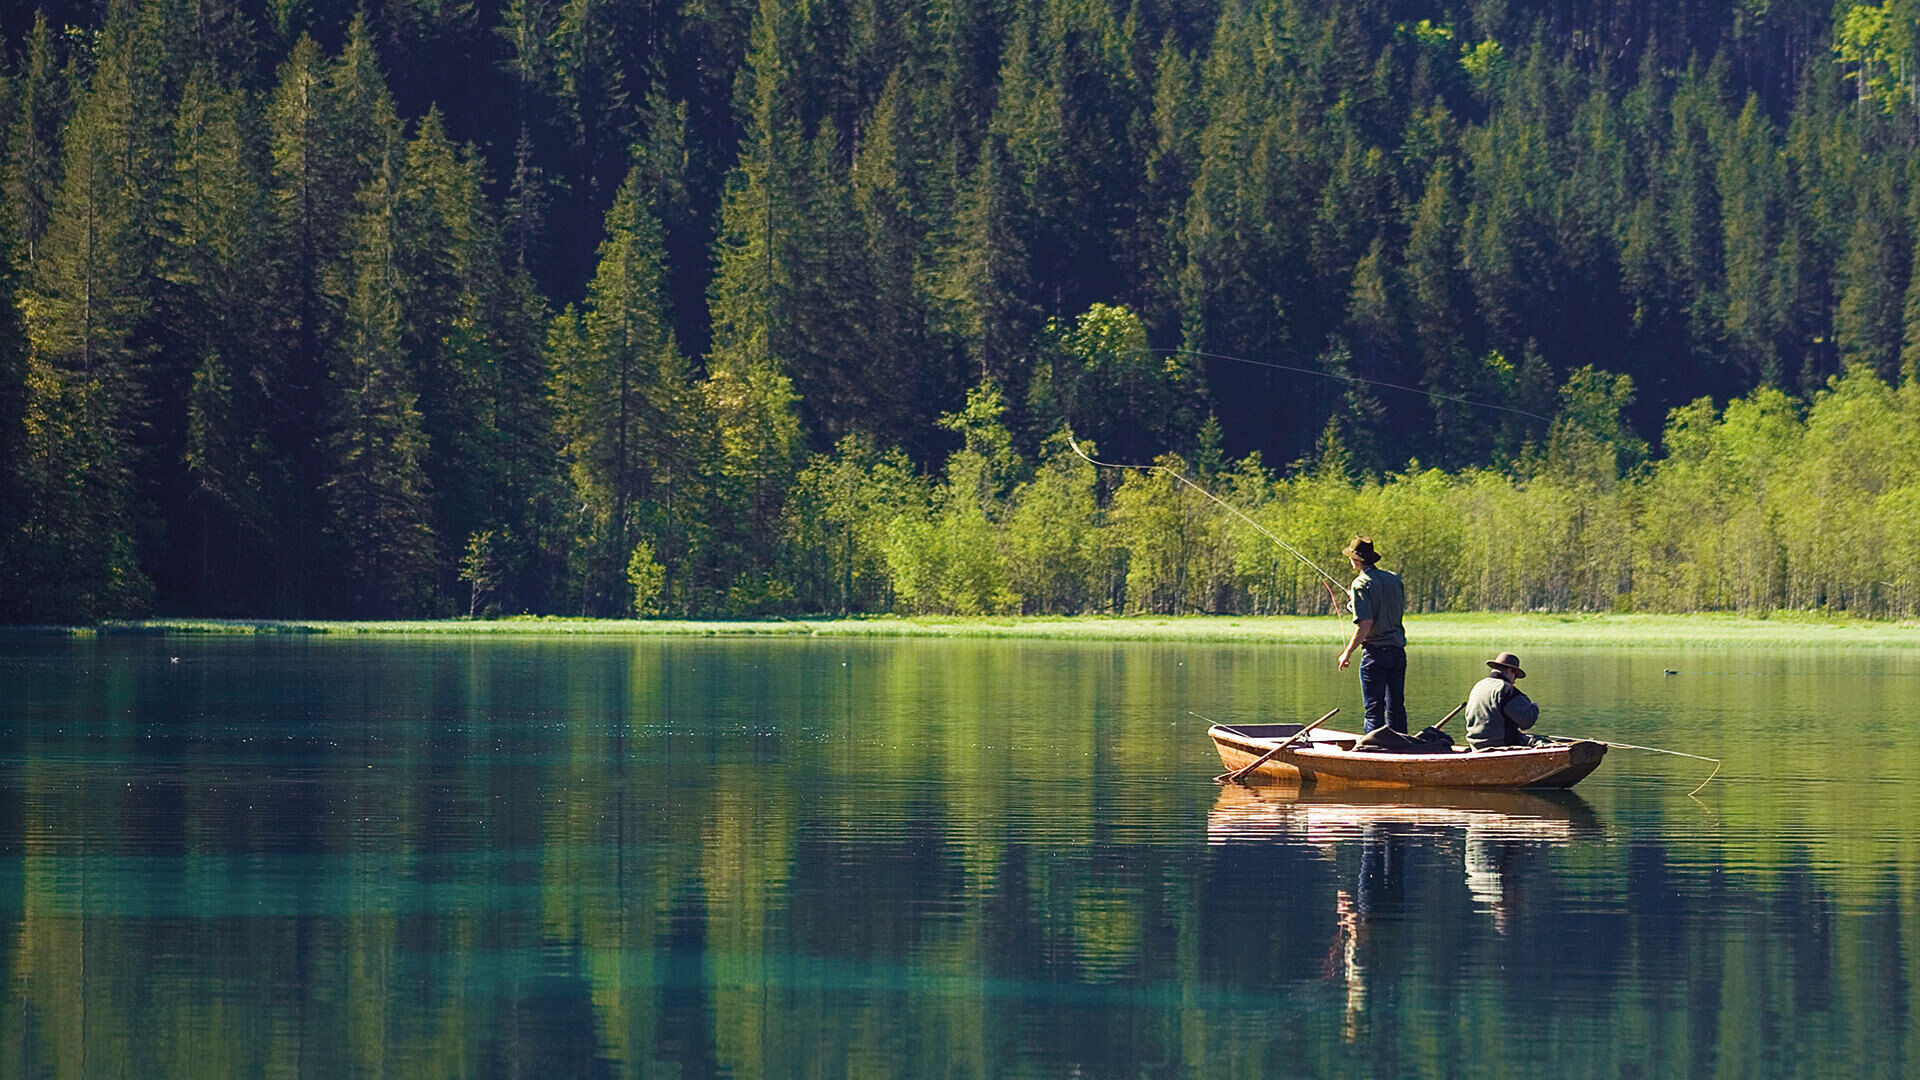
[1383, 686]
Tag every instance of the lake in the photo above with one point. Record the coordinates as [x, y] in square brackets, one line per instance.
[700, 857]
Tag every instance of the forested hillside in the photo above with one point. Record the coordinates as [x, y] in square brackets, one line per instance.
[437, 307]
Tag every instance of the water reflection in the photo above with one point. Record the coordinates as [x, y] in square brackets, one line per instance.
[703, 859]
[1371, 834]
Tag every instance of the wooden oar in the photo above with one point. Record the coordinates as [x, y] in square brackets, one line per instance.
[1234, 777]
[1449, 716]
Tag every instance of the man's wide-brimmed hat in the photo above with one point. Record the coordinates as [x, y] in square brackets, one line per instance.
[1361, 547]
[1510, 662]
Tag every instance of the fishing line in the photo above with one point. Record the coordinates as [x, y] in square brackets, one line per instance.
[1235, 511]
[1224, 504]
[1652, 749]
[1352, 379]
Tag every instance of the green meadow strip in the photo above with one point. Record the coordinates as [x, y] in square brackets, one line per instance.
[1506, 630]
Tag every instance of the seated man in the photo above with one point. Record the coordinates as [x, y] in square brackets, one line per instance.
[1498, 714]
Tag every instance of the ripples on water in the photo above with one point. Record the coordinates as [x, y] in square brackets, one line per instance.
[781, 858]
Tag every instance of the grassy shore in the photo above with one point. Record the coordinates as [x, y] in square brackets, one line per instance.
[1504, 630]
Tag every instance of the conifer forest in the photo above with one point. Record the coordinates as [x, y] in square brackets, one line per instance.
[437, 308]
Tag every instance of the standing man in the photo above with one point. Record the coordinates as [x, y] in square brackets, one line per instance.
[1379, 600]
[1498, 714]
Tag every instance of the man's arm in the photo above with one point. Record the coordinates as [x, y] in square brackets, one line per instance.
[1361, 631]
[1521, 710]
[1362, 620]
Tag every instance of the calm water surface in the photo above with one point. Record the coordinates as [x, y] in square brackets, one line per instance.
[791, 858]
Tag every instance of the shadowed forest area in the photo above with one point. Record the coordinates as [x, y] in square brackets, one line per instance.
[428, 308]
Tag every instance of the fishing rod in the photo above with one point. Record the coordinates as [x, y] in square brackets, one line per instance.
[1222, 503]
[1649, 749]
[1234, 510]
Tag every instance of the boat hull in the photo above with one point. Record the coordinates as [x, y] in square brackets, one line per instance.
[1328, 760]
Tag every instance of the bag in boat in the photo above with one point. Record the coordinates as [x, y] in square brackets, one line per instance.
[1385, 740]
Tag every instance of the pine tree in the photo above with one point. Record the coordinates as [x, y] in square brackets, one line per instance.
[1910, 306]
[310, 189]
[624, 409]
[757, 452]
[1750, 188]
[1693, 219]
[749, 395]
[1872, 279]
[750, 256]
[828, 343]
[1169, 169]
[31, 173]
[453, 336]
[377, 490]
[1237, 286]
[1373, 311]
[1820, 147]
[899, 185]
[331, 129]
[15, 396]
[1438, 295]
[213, 223]
[1075, 137]
[989, 279]
[85, 372]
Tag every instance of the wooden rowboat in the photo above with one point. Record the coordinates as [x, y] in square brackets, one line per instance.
[1327, 759]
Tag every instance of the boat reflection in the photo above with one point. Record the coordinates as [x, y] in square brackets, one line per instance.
[1295, 814]
[1500, 837]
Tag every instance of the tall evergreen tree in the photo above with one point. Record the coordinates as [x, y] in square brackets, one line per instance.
[32, 167]
[829, 291]
[988, 280]
[1750, 189]
[901, 192]
[1438, 294]
[458, 339]
[377, 489]
[624, 409]
[1872, 277]
[1169, 166]
[310, 189]
[86, 367]
[212, 258]
[15, 396]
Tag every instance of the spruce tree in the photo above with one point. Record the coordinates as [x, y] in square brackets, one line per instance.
[1169, 167]
[624, 409]
[758, 446]
[311, 185]
[988, 280]
[31, 172]
[829, 346]
[377, 489]
[452, 335]
[1750, 188]
[213, 225]
[1872, 278]
[896, 175]
[15, 396]
[86, 369]
[1819, 151]
[1438, 295]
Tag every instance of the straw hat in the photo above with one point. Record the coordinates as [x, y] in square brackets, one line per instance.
[1508, 661]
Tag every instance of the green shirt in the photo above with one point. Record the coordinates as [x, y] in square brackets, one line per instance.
[1378, 595]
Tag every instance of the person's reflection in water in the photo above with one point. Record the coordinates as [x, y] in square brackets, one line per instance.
[1378, 892]
[1495, 864]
